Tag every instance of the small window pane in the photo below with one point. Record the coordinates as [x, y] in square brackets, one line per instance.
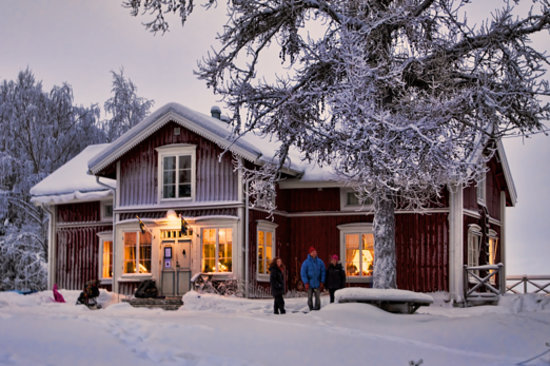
[169, 177]
[107, 210]
[184, 190]
[169, 191]
[144, 253]
[107, 265]
[225, 255]
[185, 176]
[352, 255]
[352, 199]
[261, 252]
[169, 163]
[209, 250]
[185, 162]
[367, 254]
[130, 240]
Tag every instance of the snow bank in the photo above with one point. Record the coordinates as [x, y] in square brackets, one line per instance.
[357, 294]
[216, 330]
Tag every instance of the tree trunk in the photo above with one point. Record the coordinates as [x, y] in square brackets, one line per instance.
[384, 274]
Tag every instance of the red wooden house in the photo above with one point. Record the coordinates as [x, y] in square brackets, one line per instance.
[194, 215]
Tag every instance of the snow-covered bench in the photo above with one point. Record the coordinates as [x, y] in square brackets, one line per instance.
[392, 300]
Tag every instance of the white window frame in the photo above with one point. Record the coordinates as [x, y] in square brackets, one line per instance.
[492, 249]
[103, 210]
[176, 150]
[265, 226]
[353, 228]
[217, 250]
[136, 274]
[474, 232]
[344, 206]
[481, 190]
[103, 237]
[492, 236]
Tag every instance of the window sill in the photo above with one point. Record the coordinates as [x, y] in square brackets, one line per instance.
[177, 199]
[350, 279]
[106, 281]
[135, 277]
[260, 277]
[219, 275]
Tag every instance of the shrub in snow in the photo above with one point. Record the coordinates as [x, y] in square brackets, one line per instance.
[22, 261]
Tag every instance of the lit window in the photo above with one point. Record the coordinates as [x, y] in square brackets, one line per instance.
[217, 250]
[177, 172]
[107, 260]
[265, 248]
[137, 252]
[359, 254]
[105, 252]
[493, 247]
[357, 251]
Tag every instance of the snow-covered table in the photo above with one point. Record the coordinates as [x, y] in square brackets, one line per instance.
[392, 300]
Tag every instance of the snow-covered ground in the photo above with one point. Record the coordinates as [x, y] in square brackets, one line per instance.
[213, 330]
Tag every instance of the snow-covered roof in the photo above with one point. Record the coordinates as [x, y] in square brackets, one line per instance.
[70, 182]
[251, 147]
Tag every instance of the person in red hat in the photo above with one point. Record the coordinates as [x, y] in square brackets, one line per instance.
[336, 276]
[313, 276]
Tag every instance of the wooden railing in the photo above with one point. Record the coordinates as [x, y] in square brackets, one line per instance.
[483, 282]
[540, 284]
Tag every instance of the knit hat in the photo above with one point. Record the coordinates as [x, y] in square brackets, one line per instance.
[334, 256]
[311, 249]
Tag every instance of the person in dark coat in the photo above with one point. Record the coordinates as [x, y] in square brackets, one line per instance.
[277, 282]
[336, 277]
[313, 274]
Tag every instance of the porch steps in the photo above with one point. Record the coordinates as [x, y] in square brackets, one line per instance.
[482, 298]
[166, 303]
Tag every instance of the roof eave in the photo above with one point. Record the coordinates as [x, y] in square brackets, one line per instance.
[507, 173]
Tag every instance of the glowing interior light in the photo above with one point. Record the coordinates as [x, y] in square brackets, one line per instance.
[142, 268]
[367, 261]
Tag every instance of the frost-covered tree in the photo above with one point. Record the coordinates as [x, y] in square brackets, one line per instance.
[40, 132]
[125, 106]
[404, 97]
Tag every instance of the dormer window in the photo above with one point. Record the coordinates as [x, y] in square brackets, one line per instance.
[177, 172]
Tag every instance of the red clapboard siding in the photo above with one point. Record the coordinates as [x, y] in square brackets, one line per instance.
[422, 249]
[320, 232]
[422, 246]
[77, 256]
[494, 184]
[78, 212]
[215, 181]
[314, 199]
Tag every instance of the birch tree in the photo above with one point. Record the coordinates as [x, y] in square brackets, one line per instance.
[126, 108]
[41, 131]
[403, 97]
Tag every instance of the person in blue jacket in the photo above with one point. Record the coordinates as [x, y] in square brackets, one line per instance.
[313, 276]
